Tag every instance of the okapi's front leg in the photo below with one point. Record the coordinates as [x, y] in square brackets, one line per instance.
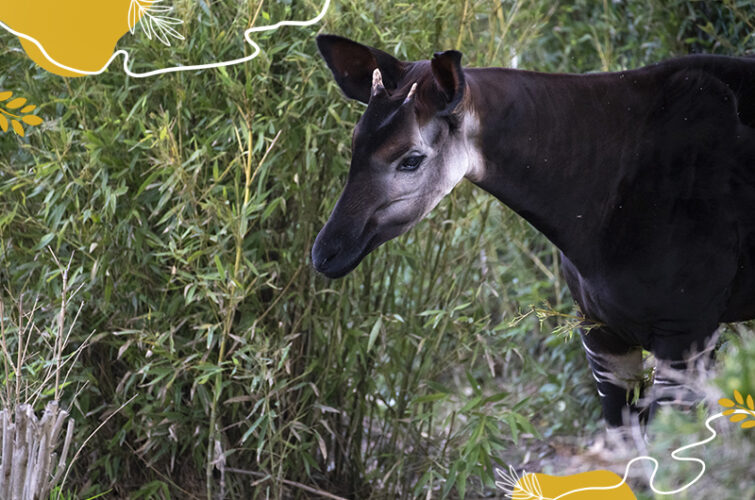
[617, 369]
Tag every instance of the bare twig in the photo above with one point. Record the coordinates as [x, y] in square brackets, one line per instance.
[288, 482]
[94, 432]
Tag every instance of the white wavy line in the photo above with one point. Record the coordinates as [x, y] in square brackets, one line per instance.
[657, 465]
[174, 69]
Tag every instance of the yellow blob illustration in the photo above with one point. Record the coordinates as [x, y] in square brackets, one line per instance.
[80, 34]
[547, 486]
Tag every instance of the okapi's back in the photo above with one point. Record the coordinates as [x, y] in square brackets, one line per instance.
[738, 73]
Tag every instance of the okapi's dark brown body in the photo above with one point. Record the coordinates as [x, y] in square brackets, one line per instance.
[644, 179]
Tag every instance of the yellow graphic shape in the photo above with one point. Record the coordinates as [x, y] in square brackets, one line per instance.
[551, 487]
[16, 112]
[77, 33]
[735, 408]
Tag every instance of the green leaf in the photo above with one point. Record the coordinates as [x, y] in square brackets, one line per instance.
[427, 398]
[513, 427]
[219, 266]
[374, 333]
[46, 239]
[472, 403]
[495, 398]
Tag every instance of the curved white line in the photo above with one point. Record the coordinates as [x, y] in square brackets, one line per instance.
[656, 465]
[174, 69]
[674, 453]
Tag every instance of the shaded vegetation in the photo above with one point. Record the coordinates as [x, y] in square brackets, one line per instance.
[188, 203]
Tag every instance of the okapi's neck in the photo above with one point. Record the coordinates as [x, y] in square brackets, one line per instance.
[543, 138]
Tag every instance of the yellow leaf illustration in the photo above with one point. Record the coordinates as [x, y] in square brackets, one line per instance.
[16, 103]
[726, 403]
[748, 424]
[32, 120]
[738, 417]
[731, 411]
[19, 117]
[750, 403]
[738, 397]
[17, 127]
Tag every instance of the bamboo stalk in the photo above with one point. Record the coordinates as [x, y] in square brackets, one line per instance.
[5, 454]
[27, 451]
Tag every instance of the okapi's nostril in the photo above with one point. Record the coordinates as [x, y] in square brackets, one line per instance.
[323, 254]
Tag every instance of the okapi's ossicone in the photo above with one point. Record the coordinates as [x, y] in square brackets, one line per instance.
[644, 180]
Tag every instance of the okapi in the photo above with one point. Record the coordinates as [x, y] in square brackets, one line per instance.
[644, 180]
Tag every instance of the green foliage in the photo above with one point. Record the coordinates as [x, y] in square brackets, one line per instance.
[730, 456]
[188, 204]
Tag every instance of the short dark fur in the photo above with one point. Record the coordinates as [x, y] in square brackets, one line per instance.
[644, 179]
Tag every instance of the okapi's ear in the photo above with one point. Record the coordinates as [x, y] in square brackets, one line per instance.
[352, 65]
[449, 78]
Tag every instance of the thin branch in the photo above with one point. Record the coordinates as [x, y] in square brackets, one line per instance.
[287, 482]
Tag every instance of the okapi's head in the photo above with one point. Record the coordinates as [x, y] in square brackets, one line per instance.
[415, 141]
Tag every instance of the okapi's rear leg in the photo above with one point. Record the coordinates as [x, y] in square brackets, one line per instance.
[617, 369]
[671, 382]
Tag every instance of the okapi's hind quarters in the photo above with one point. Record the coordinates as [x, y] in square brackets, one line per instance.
[644, 180]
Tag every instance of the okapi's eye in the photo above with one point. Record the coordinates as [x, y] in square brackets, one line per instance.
[410, 163]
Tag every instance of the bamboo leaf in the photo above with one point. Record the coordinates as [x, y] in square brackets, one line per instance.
[219, 265]
[374, 333]
[323, 448]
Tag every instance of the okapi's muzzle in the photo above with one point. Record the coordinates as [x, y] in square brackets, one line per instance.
[327, 258]
[328, 255]
[337, 252]
[344, 240]
[338, 248]
[347, 238]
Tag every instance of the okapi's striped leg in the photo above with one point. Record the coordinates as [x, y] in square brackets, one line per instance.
[669, 388]
[617, 369]
[672, 385]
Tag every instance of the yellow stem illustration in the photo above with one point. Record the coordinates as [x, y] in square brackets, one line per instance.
[752, 413]
[9, 113]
